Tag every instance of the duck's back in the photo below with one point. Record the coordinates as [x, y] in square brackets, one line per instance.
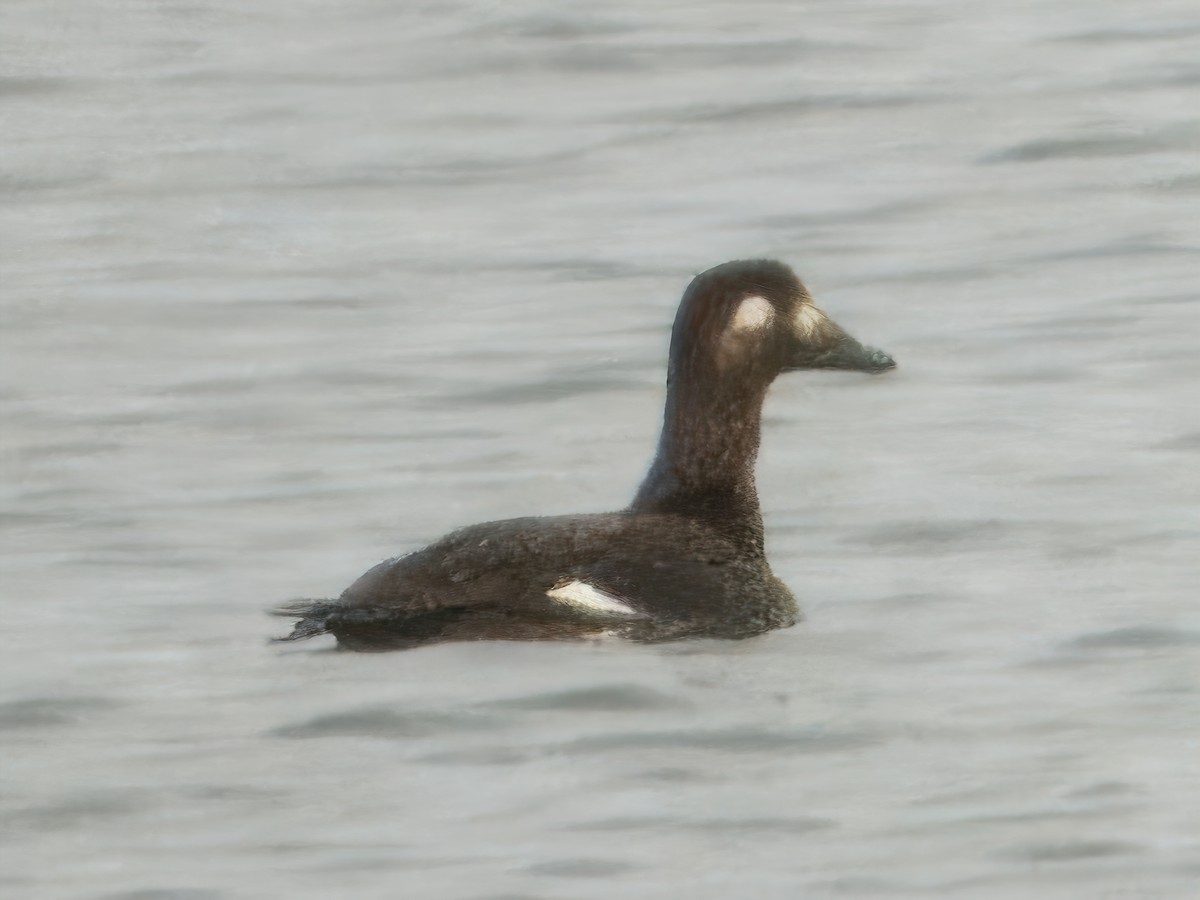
[642, 576]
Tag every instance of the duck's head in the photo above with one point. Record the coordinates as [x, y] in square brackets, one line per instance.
[754, 319]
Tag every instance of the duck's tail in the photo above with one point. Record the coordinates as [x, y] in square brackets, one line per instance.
[367, 627]
[314, 616]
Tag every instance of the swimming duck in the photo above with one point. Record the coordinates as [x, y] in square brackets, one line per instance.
[685, 559]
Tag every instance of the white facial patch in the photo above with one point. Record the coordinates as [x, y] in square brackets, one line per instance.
[583, 596]
[752, 313]
[809, 319]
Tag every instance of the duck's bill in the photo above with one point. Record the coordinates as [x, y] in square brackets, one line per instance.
[827, 346]
[850, 354]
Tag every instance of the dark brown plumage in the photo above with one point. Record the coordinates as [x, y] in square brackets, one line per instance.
[685, 559]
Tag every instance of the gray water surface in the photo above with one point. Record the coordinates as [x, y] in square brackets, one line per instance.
[292, 288]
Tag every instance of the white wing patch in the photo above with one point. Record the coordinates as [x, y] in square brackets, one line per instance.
[753, 312]
[582, 595]
[809, 319]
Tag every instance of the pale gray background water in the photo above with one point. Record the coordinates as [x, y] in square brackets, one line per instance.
[293, 287]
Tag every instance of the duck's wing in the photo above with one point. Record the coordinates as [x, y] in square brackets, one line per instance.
[606, 566]
[507, 564]
[510, 579]
[714, 594]
[534, 579]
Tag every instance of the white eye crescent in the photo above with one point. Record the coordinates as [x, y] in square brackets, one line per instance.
[753, 313]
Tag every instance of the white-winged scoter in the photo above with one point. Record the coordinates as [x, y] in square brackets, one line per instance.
[685, 559]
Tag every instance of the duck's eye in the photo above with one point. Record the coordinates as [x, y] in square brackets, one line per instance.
[752, 313]
[809, 320]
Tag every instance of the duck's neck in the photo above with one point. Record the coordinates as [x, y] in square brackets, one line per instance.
[704, 467]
